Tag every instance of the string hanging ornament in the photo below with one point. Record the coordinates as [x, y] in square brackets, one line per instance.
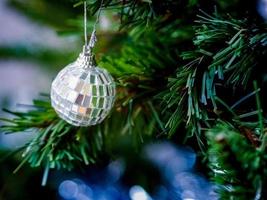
[82, 93]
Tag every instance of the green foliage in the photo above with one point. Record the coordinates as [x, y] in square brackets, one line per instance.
[39, 10]
[238, 167]
[139, 13]
[237, 153]
[141, 77]
[237, 55]
[226, 53]
[56, 142]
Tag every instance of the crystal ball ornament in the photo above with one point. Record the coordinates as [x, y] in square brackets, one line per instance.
[83, 94]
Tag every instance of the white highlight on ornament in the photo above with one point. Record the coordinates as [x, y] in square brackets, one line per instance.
[83, 94]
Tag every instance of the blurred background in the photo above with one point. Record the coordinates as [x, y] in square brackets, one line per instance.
[31, 53]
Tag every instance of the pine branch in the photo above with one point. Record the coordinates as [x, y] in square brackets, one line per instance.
[213, 63]
[135, 13]
[238, 167]
[58, 145]
[236, 154]
[55, 142]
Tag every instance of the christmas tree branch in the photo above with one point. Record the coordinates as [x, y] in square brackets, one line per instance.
[56, 142]
[58, 145]
[213, 64]
[237, 166]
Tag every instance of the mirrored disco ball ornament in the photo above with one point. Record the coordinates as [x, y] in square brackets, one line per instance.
[82, 93]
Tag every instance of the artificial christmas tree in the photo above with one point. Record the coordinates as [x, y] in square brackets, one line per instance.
[188, 71]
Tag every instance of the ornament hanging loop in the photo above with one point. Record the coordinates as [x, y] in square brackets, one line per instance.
[85, 23]
[89, 46]
[87, 54]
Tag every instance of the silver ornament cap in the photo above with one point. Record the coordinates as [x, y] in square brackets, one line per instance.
[83, 94]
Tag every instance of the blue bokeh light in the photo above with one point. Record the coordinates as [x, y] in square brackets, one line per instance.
[68, 189]
[262, 8]
[138, 193]
[175, 164]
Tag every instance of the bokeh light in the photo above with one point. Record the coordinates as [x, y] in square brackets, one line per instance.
[68, 189]
[170, 159]
[262, 8]
[138, 193]
[175, 165]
